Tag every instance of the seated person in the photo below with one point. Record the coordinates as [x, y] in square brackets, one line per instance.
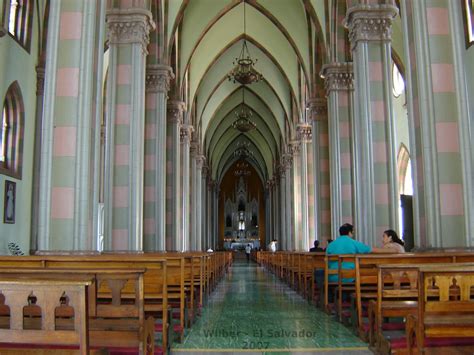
[345, 244]
[316, 247]
[393, 242]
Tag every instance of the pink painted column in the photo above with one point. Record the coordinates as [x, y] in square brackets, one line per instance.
[128, 37]
[70, 129]
[373, 129]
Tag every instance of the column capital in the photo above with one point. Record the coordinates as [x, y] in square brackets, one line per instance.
[294, 147]
[288, 159]
[185, 133]
[269, 184]
[158, 78]
[317, 109]
[370, 22]
[205, 167]
[303, 131]
[337, 76]
[282, 168]
[175, 111]
[129, 26]
[200, 161]
[40, 80]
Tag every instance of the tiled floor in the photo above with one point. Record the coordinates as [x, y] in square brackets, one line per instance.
[251, 311]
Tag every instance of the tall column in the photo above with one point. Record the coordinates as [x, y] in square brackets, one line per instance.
[154, 223]
[283, 207]
[175, 117]
[125, 103]
[216, 216]
[340, 90]
[375, 182]
[289, 202]
[204, 234]
[68, 182]
[295, 149]
[276, 208]
[200, 160]
[210, 211]
[322, 203]
[268, 214]
[37, 156]
[194, 223]
[186, 131]
[304, 135]
[438, 111]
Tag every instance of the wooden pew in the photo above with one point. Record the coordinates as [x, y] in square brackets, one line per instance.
[449, 313]
[155, 277]
[116, 305]
[15, 329]
[366, 274]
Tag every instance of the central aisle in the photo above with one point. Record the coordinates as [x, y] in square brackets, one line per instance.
[252, 311]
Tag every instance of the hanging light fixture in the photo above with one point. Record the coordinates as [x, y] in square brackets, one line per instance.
[243, 122]
[243, 71]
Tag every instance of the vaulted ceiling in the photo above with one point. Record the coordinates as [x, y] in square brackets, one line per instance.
[204, 37]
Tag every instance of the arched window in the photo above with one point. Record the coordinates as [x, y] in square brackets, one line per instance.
[405, 183]
[17, 20]
[397, 81]
[11, 138]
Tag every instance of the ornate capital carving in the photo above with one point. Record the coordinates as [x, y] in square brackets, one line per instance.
[294, 147]
[185, 133]
[288, 159]
[39, 80]
[303, 131]
[175, 111]
[158, 78]
[282, 168]
[370, 22]
[318, 109]
[338, 77]
[200, 161]
[129, 26]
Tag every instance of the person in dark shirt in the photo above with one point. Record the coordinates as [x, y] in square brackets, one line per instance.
[316, 248]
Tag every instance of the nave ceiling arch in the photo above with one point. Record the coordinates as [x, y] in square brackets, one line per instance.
[205, 37]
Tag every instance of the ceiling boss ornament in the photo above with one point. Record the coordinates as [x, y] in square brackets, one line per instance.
[243, 70]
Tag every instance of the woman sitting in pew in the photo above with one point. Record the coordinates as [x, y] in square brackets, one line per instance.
[392, 242]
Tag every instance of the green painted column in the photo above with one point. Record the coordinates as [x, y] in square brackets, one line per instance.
[282, 209]
[186, 132]
[128, 31]
[173, 196]
[154, 223]
[441, 146]
[373, 130]
[322, 211]
[296, 240]
[70, 136]
[304, 136]
[288, 160]
[340, 90]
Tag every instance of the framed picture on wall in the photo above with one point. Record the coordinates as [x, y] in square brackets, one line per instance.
[469, 21]
[9, 202]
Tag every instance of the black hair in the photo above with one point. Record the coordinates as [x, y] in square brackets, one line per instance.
[316, 243]
[395, 239]
[346, 228]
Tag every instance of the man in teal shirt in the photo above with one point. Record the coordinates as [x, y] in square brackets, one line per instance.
[345, 244]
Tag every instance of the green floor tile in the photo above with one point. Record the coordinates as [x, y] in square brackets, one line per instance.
[251, 311]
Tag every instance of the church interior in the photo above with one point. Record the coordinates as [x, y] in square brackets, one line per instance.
[166, 167]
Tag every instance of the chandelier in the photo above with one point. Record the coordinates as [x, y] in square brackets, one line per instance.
[243, 122]
[243, 70]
